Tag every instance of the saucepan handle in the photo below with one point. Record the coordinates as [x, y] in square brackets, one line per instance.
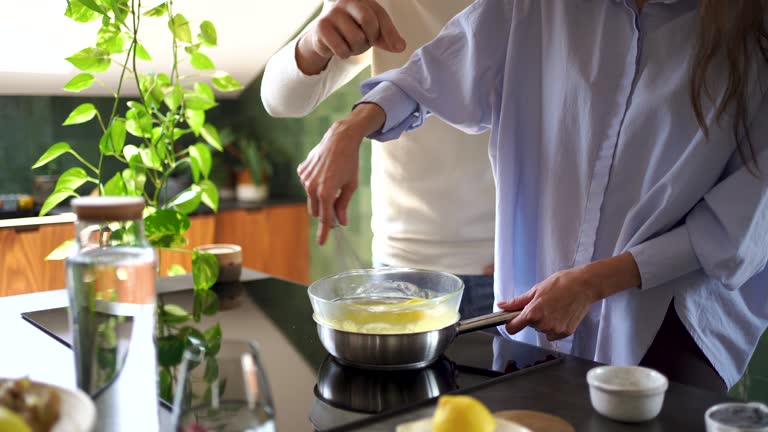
[485, 321]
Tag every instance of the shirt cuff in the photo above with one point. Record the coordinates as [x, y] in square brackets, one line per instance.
[401, 110]
[666, 257]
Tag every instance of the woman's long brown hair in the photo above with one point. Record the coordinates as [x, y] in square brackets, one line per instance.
[736, 30]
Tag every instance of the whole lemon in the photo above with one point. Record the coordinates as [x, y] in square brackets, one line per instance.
[462, 414]
[12, 422]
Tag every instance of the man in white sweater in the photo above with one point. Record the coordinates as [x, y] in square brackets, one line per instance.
[433, 189]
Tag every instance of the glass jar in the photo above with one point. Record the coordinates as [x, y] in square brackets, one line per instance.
[111, 287]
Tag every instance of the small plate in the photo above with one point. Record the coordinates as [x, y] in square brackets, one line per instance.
[77, 412]
[425, 425]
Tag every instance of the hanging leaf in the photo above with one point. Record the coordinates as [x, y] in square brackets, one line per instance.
[120, 9]
[92, 5]
[158, 10]
[62, 251]
[115, 186]
[79, 12]
[200, 155]
[117, 134]
[170, 349]
[211, 135]
[201, 98]
[150, 159]
[52, 153]
[172, 97]
[172, 314]
[142, 53]
[213, 334]
[81, 114]
[195, 119]
[79, 83]
[187, 201]
[134, 180]
[210, 194]
[112, 39]
[201, 61]
[208, 33]
[179, 26]
[164, 222]
[71, 179]
[130, 151]
[55, 199]
[225, 82]
[165, 384]
[94, 60]
[205, 270]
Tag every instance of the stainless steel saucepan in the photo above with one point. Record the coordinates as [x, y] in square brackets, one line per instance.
[392, 318]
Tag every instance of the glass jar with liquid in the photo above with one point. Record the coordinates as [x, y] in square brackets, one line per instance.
[111, 288]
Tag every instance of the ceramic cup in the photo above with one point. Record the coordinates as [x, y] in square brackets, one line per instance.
[737, 417]
[230, 258]
[627, 393]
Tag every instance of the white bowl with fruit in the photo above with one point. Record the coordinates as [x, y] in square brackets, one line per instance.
[29, 406]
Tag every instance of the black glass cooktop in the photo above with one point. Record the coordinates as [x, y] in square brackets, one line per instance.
[330, 396]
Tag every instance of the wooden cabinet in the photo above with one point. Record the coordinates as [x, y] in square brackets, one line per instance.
[275, 240]
[23, 268]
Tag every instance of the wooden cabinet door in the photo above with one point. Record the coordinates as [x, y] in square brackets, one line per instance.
[23, 268]
[274, 240]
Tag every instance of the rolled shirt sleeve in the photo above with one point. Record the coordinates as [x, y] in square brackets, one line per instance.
[454, 77]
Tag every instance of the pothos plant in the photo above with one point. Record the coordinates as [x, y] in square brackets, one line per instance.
[144, 135]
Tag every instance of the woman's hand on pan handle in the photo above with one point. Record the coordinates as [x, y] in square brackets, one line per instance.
[329, 174]
[557, 305]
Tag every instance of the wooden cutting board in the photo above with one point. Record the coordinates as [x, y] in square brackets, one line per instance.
[536, 421]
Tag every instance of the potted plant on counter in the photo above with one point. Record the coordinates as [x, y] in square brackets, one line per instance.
[145, 135]
[254, 164]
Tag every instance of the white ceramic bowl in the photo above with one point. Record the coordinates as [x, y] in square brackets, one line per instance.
[738, 411]
[627, 393]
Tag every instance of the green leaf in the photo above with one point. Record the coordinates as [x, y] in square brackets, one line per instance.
[117, 134]
[213, 334]
[55, 199]
[210, 194]
[92, 5]
[150, 159]
[208, 33]
[205, 91]
[200, 155]
[79, 12]
[165, 222]
[142, 53]
[166, 385]
[205, 270]
[79, 82]
[134, 180]
[72, 179]
[179, 26]
[225, 82]
[211, 135]
[158, 10]
[121, 10]
[176, 270]
[191, 49]
[211, 370]
[81, 114]
[195, 119]
[173, 314]
[94, 60]
[172, 97]
[192, 336]
[138, 121]
[62, 251]
[52, 153]
[170, 349]
[201, 98]
[111, 39]
[130, 151]
[115, 186]
[187, 201]
[201, 61]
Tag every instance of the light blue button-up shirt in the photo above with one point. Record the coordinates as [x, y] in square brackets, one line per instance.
[596, 151]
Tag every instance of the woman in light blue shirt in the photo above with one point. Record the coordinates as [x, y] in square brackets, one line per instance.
[629, 145]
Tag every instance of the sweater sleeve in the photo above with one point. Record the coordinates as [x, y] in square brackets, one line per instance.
[287, 92]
